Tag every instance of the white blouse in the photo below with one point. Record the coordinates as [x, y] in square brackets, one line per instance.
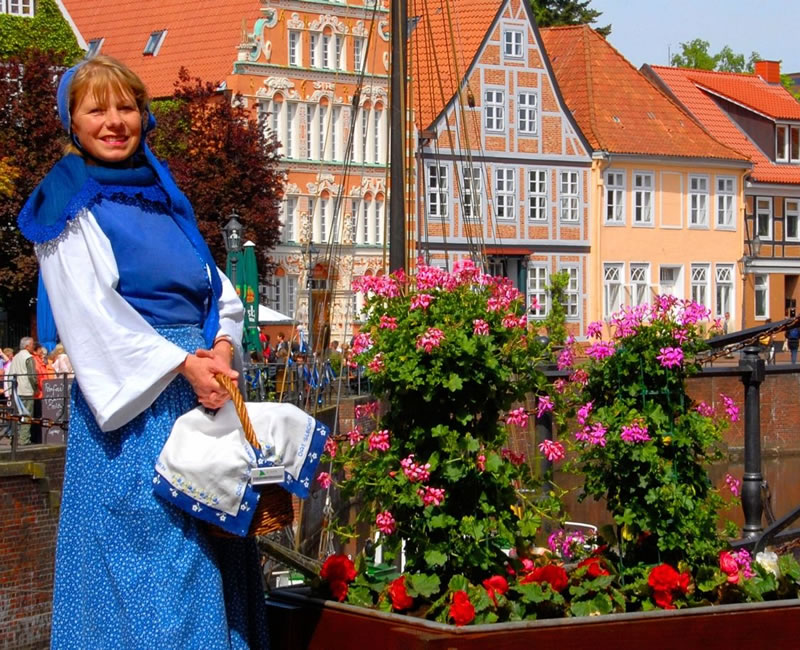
[120, 361]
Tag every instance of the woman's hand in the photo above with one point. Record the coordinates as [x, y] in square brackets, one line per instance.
[200, 368]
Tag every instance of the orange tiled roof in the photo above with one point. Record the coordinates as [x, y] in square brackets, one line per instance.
[617, 107]
[682, 83]
[202, 35]
[442, 47]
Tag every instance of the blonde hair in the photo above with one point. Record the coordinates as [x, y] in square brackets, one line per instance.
[103, 76]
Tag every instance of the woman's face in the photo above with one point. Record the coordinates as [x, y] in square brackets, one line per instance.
[109, 131]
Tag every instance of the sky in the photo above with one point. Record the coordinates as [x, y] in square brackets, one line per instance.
[644, 31]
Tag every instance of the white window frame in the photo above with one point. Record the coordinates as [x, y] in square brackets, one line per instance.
[341, 61]
[538, 278]
[359, 43]
[763, 216]
[698, 201]
[615, 198]
[505, 198]
[154, 42]
[472, 186]
[537, 195]
[791, 212]
[643, 195]
[794, 144]
[528, 113]
[23, 8]
[289, 214]
[726, 203]
[437, 192]
[572, 293]
[325, 50]
[378, 152]
[677, 285]
[295, 48]
[494, 109]
[93, 47]
[282, 294]
[639, 285]
[314, 53]
[782, 137]
[724, 277]
[513, 44]
[613, 288]
[380, 206]
[761, 287]
[569, 196]
[700, 284]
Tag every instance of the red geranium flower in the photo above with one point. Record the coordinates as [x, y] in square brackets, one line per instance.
[595, 567]
[338, 571]
[664, 580]
[398, 594]
[461, 611]
[552, 574]
[495, 585]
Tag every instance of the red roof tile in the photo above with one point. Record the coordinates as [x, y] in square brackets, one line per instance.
[202, 35]
[682, 83]
[442, 47]
[617, 107]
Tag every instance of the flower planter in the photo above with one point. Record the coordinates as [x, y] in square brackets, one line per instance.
[299, 622]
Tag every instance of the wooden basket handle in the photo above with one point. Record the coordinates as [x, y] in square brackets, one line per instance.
[238, 403]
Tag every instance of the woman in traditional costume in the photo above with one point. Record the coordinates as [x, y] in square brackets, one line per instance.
[148, 319]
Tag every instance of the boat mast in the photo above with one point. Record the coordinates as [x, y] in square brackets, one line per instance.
[397, 136]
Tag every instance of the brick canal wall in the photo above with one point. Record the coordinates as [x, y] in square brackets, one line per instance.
[30, 491]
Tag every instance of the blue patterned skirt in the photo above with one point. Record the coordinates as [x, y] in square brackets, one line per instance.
[133, 572]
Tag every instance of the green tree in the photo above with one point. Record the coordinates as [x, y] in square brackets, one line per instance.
[552, 13]
[555, 323]
[46, 30]
[695, 54]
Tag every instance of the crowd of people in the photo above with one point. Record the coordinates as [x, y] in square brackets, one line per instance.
[23, 373]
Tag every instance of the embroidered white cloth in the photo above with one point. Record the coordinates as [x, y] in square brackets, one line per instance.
[208, 459]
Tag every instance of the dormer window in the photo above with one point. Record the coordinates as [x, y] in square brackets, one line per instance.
[93, 47]
[787, 143]
[154, 42]
[17, 7]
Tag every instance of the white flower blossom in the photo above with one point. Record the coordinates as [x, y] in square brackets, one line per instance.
[769, 562]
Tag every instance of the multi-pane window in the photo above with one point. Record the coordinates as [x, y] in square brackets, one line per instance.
[764, 218]
[761, 283]
[335, 133]
[724, 285]
[537, 195]
[472, 192]
[357, 222]
[512, 44]
[290, 147]
[568, 196]
[726, 201]
[312, 208]
[791, 213]
[326, 55]
[437, 191]
[378, 222]
[494, 110]
[339, 41]
[615, 197]
[358, 53]
[640, 284]
[309, 130]
[153, 44]
[787, 143]
[17, 7]
[323, 131]
[324, 218]
[571, 292]
[505, 196]
[699, 284]
[378, 115]
[612, 289]
[698, 201]
[668, 278]
[288, 218]
[527, 113]
[294, 48]
[313, 50]
[537, 291]
[282, 294]
[364, 119]
[642, 198]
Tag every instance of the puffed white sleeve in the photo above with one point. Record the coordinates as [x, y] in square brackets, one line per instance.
[231, 311]
[121, 363]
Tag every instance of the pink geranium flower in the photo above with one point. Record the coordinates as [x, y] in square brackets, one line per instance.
[416, 472]
[518, 417]
[544, 405]
[670, 357]
[324, 480]
[480, 327]
[431, 339]
[385, 522]
[379, 440]
[431, 496]
[388, 322]
[552, 450]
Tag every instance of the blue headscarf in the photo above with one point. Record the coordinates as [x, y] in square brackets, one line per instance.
[64, 193]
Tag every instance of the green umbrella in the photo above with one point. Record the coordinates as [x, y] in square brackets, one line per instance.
[243, 273]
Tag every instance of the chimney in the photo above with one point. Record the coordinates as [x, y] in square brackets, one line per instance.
[769, 71]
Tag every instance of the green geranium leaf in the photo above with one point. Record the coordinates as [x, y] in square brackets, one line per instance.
[434, 558]
[361, 596]
[789, 567]
[458, 583]
[421, 584]
[709, 578]
[454, 382]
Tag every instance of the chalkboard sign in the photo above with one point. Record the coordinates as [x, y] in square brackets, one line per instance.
[55, 406]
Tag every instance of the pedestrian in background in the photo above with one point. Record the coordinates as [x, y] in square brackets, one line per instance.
[23, 371]
[793, 339]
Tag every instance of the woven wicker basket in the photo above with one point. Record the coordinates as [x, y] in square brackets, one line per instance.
[274, 510]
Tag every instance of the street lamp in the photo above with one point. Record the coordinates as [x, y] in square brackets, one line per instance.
[745, 268]
[232, 235]
[312, 253]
